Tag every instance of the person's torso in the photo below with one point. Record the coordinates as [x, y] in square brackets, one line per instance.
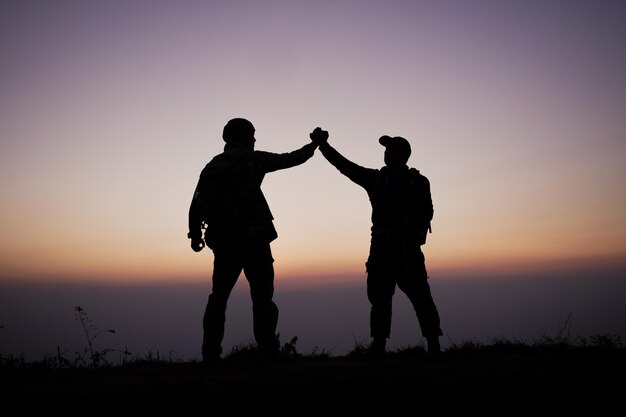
[398, 199]
[235, 203]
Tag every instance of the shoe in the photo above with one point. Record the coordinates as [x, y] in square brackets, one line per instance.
[433, 345]
[211, 355]
[211, 359]
[377, 347]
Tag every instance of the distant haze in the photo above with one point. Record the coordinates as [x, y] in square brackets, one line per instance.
[166, 318]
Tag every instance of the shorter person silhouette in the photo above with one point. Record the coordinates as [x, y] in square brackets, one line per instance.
[229, 207]
[402, 210]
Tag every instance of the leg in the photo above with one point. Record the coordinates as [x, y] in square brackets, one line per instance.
[380, 289]
[259, 271]
[226, 270]
[414, 283]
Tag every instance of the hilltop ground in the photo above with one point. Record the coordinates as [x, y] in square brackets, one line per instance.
[509, 381]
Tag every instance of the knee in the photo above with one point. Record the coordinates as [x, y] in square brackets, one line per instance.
[217, 302]
[264, 307]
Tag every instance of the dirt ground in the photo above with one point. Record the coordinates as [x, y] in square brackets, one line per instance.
[546, 383]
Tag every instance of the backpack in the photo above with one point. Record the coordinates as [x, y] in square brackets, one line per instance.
[403, 203]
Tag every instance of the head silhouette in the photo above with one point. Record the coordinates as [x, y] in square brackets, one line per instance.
[239, 132]
[397, 150]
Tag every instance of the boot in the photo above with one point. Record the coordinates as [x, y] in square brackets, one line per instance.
[433, 344]
[377, 347]
[211, 354]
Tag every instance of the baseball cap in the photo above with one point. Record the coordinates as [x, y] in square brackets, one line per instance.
[396, 142]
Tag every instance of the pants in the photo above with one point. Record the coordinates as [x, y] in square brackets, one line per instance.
[391, 262]
[254, 258]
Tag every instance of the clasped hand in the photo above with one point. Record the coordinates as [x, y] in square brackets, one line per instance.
[318, 136]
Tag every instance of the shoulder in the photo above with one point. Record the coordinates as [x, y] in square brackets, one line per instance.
[418, 177]
[377, 175]
[219, 164]
[216, 160]
[417, 174]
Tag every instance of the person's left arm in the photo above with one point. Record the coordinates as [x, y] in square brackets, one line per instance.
[270, 162]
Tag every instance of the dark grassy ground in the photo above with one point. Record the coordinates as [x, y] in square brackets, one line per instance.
[505, 380]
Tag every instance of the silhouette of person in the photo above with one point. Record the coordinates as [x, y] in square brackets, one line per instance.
[230, 215]
[402, 210]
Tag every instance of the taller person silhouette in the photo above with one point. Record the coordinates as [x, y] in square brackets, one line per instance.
[230, 215]
[402, 210]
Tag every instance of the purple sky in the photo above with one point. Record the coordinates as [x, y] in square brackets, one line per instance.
[109, 110]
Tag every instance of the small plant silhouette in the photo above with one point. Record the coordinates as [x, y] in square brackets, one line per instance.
[289, 348]
[97, 357]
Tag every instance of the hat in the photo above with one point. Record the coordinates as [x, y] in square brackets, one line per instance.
[396, 142]
[237, 128]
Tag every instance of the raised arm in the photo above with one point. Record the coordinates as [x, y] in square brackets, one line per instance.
[270, 162]
[356, 173]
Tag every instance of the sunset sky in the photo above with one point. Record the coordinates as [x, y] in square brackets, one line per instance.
[515, 110]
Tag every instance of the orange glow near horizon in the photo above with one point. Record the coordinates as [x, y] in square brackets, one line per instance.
[290, 269]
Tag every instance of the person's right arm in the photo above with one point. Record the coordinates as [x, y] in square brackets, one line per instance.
[195, 219]
[216, 167]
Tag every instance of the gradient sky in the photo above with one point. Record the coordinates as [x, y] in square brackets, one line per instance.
[516, 112]
[109, 110]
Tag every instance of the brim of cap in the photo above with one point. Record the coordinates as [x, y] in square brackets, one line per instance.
[385, 140]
